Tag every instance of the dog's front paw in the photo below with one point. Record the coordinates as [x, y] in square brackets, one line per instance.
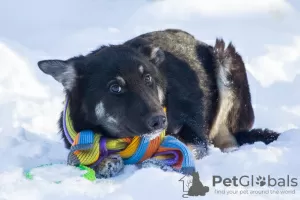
[109, 167]
[198, 150]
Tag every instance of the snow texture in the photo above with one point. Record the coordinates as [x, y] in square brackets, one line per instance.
[264, 32]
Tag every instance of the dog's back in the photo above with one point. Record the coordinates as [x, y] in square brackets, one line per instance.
[206, 82]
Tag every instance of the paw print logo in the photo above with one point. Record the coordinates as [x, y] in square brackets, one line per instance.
[261, 181]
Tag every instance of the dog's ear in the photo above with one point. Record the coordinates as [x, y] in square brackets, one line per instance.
[155, 54]
[62, 71]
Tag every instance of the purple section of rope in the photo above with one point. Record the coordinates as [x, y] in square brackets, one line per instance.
[66, 132]
[170, 161]
[103, 152]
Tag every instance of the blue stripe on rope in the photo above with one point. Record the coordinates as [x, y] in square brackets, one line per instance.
[86, 137]
[86, 141]
[172, 142]
[140, 152]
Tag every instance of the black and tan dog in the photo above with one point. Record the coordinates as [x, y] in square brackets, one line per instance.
[120, 91]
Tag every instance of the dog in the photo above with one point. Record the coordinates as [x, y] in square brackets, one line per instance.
[121, 91]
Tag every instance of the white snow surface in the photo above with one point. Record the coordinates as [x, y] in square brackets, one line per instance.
[264, 32]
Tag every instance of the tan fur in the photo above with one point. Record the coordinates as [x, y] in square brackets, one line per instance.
[220, 133]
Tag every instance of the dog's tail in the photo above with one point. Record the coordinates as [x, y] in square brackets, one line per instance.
[256, 135]
[241, 114]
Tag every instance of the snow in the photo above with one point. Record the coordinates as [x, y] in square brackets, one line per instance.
[281, 60]
[264, 32]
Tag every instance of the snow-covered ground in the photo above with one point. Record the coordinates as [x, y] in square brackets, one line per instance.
[265, 32]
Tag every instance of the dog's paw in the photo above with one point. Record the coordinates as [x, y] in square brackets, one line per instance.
[109, 167]
[199, 151]
[230, 149]
[229, 146]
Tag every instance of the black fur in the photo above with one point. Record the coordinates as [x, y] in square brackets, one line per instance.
[204, 89]
[256, 135]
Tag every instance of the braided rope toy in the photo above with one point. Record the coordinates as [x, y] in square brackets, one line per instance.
[89, 149]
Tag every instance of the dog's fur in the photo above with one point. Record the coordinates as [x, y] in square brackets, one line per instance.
[117, 89]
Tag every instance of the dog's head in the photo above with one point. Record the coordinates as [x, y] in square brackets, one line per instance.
[117, 89]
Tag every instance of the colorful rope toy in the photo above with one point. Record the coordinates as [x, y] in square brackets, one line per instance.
[89, 149]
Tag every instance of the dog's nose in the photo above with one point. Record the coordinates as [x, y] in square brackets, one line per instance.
[156, 122]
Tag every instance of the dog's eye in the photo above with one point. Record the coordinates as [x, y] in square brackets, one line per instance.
[148, 79]
[115, 88]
